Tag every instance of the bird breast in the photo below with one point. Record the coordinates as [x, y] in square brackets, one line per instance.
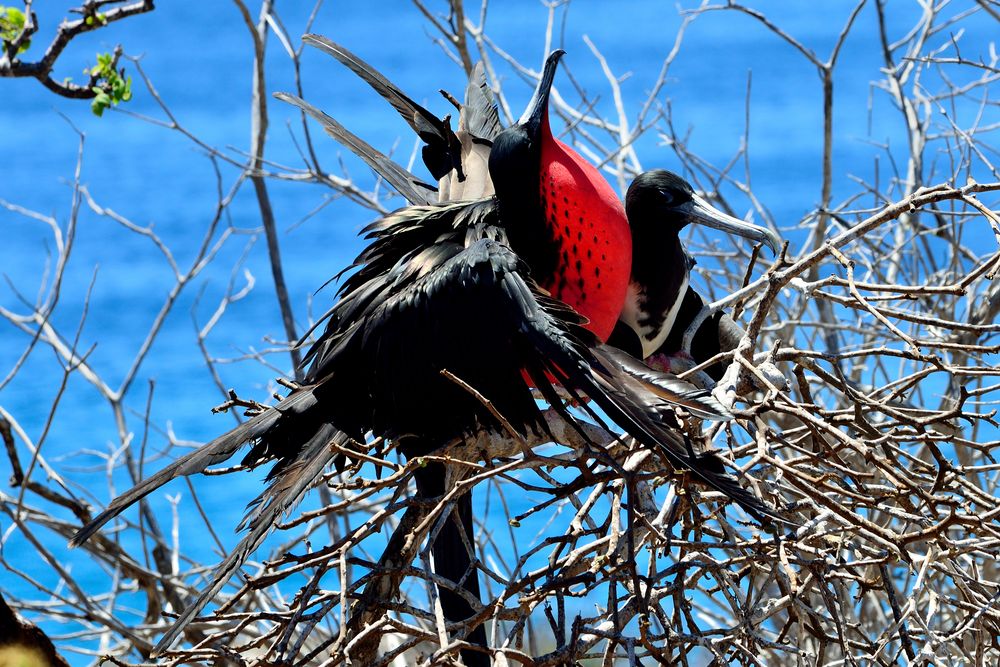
[652, 331]
[588, 223]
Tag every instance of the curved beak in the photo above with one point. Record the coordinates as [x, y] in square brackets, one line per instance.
[701, 212]
[533, 115]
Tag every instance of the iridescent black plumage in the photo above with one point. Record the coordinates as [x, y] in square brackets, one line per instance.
[659, 260]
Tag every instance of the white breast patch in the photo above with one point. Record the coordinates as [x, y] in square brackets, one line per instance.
[633, 312]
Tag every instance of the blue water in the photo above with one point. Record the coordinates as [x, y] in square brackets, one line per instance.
[197, 57]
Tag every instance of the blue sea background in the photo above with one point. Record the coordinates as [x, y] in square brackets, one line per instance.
[197, 56]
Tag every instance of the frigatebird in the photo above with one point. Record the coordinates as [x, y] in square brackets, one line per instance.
[660, 303]
[491, 291]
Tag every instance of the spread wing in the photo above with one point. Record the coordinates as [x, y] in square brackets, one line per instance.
[436, 290]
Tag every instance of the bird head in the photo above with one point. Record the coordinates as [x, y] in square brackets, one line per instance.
[660, 202]
[517, 149]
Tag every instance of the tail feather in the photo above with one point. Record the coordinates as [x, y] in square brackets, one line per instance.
[452, 560]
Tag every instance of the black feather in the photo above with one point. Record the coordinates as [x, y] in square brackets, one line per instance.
[405, 183]
[479, 115]
[443, 148]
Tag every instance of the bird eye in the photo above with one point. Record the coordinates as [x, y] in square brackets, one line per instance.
[668, 196]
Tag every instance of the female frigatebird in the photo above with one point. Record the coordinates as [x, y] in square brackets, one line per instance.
[469, 288]
[660, 303]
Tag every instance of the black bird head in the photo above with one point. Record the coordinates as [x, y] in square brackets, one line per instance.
[517, 151]
[660, 204]
[562, 217]
[538, 107]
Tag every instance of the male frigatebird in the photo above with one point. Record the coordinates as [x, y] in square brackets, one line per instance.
[660, 303]
[470, 288]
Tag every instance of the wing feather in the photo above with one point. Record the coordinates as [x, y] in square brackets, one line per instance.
[405, 183]
[443, 149]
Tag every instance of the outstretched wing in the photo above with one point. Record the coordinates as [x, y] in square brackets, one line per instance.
[472, 309]
[438, 296]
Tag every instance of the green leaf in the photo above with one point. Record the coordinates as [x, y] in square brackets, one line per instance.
[100, 102]
[111, 86]
[12, 22]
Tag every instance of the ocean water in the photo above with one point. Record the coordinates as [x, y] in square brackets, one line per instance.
[196, 55]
